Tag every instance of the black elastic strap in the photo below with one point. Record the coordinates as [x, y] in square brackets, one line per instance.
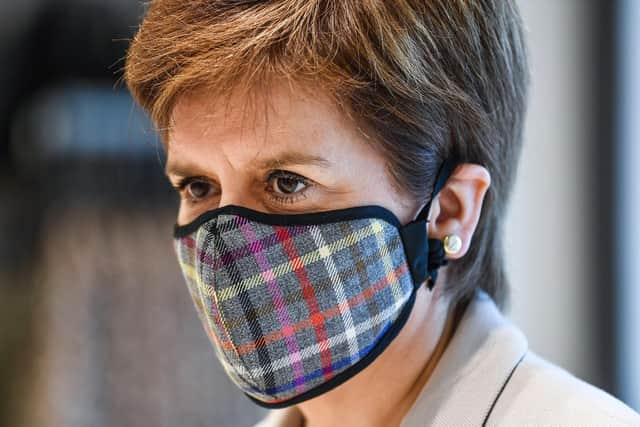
[436, 260]
[446, 169]
[424, 255]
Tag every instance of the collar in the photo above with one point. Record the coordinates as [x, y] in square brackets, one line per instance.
[473, 370]
[469, 378]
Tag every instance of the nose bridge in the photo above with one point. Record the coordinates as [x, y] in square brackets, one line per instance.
[237, 200]
[236, 191]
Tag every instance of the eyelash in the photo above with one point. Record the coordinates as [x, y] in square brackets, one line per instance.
[181, 186]
[294, 197]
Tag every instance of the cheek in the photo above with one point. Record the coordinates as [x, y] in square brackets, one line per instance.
[187, 212]
[406, 210]
[366, 169]
[377, 188]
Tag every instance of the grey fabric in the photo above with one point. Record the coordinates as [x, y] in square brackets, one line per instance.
[289, 308]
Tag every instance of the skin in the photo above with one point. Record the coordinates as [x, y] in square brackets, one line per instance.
[233, 151]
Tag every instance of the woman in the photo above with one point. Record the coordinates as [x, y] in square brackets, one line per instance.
[343, 168]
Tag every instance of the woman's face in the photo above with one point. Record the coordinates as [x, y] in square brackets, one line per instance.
[298, 154]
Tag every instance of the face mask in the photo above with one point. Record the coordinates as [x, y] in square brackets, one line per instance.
[297, 304]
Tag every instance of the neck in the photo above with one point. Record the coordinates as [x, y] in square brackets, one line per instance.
[383, 393]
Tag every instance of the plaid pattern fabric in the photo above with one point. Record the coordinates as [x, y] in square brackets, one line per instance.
[290, 307]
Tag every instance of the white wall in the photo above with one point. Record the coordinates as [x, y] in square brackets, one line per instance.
[629, 196]
[546, 237]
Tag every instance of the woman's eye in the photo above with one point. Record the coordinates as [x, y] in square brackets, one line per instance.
[287, 183]
[194, 189]
[287, 187]
[282, 186]
[198, 189]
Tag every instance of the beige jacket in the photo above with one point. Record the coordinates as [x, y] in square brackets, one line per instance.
[488, 377]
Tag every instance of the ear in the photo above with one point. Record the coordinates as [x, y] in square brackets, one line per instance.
[456, 209]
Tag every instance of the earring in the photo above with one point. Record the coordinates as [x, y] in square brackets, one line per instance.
[452, 244]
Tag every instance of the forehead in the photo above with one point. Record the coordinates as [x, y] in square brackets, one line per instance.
[247, 128]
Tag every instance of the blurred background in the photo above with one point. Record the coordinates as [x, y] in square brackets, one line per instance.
[96, 326]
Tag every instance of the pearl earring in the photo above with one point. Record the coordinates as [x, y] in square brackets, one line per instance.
[452, 244]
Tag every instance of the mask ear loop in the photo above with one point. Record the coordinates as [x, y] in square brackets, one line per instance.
[424, 256]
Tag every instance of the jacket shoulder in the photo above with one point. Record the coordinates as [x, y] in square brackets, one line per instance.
[540, 393]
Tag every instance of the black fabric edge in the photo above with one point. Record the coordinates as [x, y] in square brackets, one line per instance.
[388, 337]
[504, 385]
[442, 176]
[416, 249]
[312, 218]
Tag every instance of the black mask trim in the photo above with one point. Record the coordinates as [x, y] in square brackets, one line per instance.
[312, 218]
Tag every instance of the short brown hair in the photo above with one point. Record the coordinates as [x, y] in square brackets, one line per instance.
[423, 79]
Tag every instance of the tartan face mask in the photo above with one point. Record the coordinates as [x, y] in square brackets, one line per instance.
[295, 305]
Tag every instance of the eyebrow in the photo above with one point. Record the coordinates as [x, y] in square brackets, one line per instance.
[279, 161]
[290, 159]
